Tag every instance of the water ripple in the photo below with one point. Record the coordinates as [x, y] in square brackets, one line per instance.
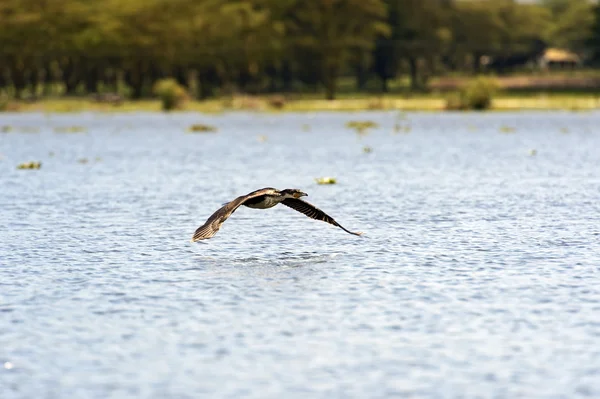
[477, 273]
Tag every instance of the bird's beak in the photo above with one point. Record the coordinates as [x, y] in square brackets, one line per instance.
[304, 195]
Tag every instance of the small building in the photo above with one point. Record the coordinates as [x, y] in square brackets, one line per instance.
[558, 58]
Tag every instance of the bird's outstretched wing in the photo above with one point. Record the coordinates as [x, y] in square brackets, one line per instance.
[314, 213]
[214, 222]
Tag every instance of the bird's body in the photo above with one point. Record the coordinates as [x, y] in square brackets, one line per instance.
[268, 198]
[263, 199]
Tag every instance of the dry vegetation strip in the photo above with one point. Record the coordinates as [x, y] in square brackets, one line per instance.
[425, 103]
[532, 83]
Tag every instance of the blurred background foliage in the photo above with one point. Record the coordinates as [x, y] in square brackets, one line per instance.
[220, 47]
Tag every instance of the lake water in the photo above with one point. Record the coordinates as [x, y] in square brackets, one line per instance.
[478, 274]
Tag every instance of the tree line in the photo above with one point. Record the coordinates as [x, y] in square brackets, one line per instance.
[265, 46]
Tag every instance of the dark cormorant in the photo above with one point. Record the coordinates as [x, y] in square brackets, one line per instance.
[263, 199]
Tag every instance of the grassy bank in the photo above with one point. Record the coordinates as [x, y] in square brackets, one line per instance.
[429, 102]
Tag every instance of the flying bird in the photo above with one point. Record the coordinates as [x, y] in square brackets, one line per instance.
[263, 199]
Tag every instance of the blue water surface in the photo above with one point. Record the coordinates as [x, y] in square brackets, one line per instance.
[478, 274]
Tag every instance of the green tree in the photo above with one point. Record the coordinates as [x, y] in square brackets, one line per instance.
[420, 34]
[500, 29]
[328, 32]
[593, 42]
[24, 19]
[477, 28]
[572, 22]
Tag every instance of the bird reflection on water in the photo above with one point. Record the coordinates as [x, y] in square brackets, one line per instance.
[282, 260]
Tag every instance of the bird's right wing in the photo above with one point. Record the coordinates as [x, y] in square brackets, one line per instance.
[214, 222]
[314, 213]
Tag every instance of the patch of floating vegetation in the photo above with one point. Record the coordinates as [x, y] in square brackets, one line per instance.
[564, 130]
[85, 160]
[361, 127]
[201, 128]
[29, 165]
[398, 128]
[6, 129]
[367, 149]
[532, 152]
[326, 180]
[507, 129]
[306, 127]
[262, 138]
[70, 129]
[28, 129]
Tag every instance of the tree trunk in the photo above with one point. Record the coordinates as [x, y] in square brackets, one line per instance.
[361, 78]
[181, 76]
[330, 82]
[207, 80]
[110, 79]
[34, 80]
[476, 62]
[271, 73]
[414, 73]
[3, 80]
[70, 76]
[49, 80]
[287, 77]
[135, 79]
[17, 74]
[384, 85]
[91, 79]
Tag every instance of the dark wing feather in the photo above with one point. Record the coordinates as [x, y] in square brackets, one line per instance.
[214, 222]
[313, 212]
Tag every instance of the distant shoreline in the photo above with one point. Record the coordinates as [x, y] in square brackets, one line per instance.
[295, 103]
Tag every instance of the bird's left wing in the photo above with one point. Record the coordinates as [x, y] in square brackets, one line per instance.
[314, 213]
[214, 222]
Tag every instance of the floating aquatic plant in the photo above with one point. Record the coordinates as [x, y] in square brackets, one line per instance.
[201, 128]
[28, 129]
[29, 165]
[533, 152]
[326, 180]
[69, 129]
[6, 129]
[507, 129]
[262, 138]
[367, 149]
[398, 128]
[361, 127]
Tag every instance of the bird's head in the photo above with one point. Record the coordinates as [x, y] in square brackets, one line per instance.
[292, 193]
